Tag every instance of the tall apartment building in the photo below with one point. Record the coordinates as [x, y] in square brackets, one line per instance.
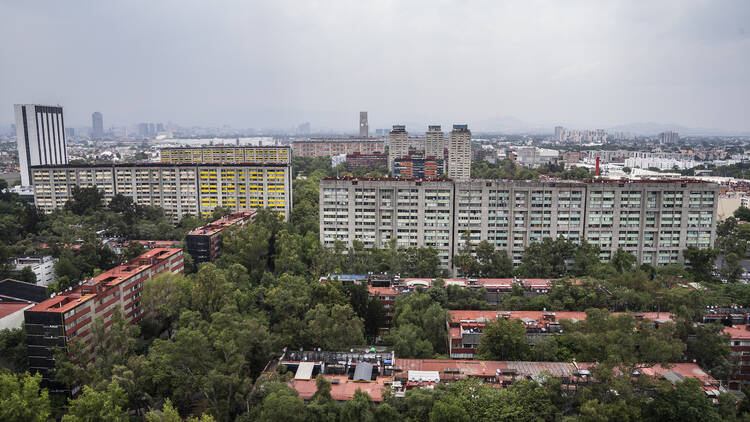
[459, 153]
[434, 145]
[204, 243]
[69, 316]
[364, 130]
[669, 137]
[398, 144]
[328, 147]
[654, 220]
[179, 189]
[97, 125]
[40, 135]
[227, 154]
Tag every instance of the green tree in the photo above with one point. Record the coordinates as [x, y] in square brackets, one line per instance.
[27, 275]
[334, 328]
[13, 349]
[492, 263]
[701, 261]
[448, 412]
[84, 201]
[623, 260]
[682, 402]
[504, 339]
[283, 406]
[22, 399]
[742, 213]
[133, 250]
[94, 406]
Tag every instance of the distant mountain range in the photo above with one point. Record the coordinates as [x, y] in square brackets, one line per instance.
[509, 124]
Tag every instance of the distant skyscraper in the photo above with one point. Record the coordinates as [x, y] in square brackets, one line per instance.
[97, 125]
[398, 144]
[459, 153]
[364, 130]
[669, 137]
[40, 133]
[70, 132]
[434, 145]
[304, 128]
[558, 132]
[143, 130]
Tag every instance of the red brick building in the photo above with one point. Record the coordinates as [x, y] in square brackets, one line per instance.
[739, 338]
[69, 315]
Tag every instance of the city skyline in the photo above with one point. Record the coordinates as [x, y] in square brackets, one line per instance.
[576, 66]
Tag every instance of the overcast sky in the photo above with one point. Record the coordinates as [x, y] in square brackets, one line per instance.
[279, 63]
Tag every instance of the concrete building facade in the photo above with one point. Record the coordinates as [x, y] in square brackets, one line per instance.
[398, 144]
[364, 129]
[40, 134]
[459, 153]
[42, 266]
[97, 125]
[326, 147]
[654, 220]
[434, 145]
[179, 189]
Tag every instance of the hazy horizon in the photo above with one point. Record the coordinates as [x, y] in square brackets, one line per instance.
[277, 64]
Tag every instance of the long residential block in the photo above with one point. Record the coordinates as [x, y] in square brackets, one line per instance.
[70, 315]
[327, 147]
[179, 189]
[654, 220]
[227, 154]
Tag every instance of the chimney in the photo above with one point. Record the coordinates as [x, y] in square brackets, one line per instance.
[597, 166]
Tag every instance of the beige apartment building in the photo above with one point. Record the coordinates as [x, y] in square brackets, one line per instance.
[328, 147]
[654, 220]
[398, 144]
[459, 153]
[179, 189]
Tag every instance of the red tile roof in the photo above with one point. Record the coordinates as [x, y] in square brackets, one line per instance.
[343, 390]
[738, 332]
[9, 308]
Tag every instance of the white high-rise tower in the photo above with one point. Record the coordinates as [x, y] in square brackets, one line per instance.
[40, 133]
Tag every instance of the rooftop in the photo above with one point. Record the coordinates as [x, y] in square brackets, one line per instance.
[738, 332]
[157, 165]
[89, 289]
[9, 308]
[222, 223]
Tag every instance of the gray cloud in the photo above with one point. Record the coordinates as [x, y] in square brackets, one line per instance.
[277, 63]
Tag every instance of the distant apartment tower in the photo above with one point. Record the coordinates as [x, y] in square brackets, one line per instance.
[669, 137]
[459, 153]
[434, 144]
[40, 134]
[398, 144]
[364, 130]
[204, 243]
[97, 125]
